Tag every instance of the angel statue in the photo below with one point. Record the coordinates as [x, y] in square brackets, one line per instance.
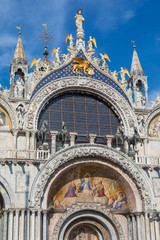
[103, 58]
[70, 39]
[79, 20]
[56, 61]
[90, 43]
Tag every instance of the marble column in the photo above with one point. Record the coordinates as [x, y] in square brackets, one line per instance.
[147, 227]
[27, 144]
[143, 227]
[16, 225]
[28, 225]
[134, 230]
[33, 224]
[10, 226]
[53, 141]
[33, 144]
[44, 224]
[109, 140]
[72, 136]
[39, 225]
[146, 95]
[92, 138]
[157, 229]
[22, 226]
[15, 134]
[145, 147]
[129, 227]
[153, 237]
[5, 224]
[138, 225]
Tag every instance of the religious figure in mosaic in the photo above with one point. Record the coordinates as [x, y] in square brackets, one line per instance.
[154, 127]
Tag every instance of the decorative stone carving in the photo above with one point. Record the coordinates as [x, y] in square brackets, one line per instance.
[22, 182]
[84, 151]
[20, 115]
[156, 184]
[141, 123]
[106, 92]
[74, 208]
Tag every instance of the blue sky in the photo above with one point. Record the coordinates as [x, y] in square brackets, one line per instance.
[114, 23]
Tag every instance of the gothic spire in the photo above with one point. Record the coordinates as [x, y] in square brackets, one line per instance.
[136, 68]
[19, 56]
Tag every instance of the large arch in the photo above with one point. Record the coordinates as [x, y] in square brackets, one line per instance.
[80, 154]
[82, 85]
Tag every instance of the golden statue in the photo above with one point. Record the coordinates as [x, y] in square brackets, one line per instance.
[91, 42]
[82, 64]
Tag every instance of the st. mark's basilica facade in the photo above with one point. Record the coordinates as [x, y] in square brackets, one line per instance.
[79, 147]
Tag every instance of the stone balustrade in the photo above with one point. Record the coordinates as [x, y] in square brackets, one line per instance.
[149, 160]
[24, 154]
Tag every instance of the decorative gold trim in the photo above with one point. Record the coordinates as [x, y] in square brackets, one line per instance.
[8, 118]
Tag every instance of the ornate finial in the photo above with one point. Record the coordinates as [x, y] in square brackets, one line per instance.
[46, 37]
[79, 24]
[134, 46]
[19, 30]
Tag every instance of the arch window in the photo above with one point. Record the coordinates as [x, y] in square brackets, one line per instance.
[81, 113]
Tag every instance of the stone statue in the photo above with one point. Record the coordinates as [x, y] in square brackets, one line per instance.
[20, 114]
[133, 141]
[56, 61]
[114, 75]
[123, 78]
[119, 135]
[71, 39]
[65, 57]
[141, 123]
[19, 88]
[141, 100]
[42, 133]
[79, 20]
[63, 134]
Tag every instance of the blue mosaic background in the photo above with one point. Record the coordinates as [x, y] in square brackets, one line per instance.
[67, 71]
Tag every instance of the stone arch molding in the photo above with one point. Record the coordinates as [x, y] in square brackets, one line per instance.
[88, 85]
[103, 153]
[151, 116]
[9, 109]
[92, 209]
[7, 193]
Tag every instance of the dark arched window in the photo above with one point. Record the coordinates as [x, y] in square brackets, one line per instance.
[81, 113]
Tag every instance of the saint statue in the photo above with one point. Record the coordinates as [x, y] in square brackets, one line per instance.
[79, 20]
[19, 88]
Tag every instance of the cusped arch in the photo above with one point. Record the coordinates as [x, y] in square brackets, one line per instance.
[9, 109]
[6, 193]
[84, 152]
[81, 85]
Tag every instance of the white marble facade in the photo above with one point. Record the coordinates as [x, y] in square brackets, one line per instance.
[29, 173]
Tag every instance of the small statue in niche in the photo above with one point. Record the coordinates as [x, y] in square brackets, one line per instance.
[141, 100]
[20, 114]
[42, 133]
[19, 88]
[63, 135]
